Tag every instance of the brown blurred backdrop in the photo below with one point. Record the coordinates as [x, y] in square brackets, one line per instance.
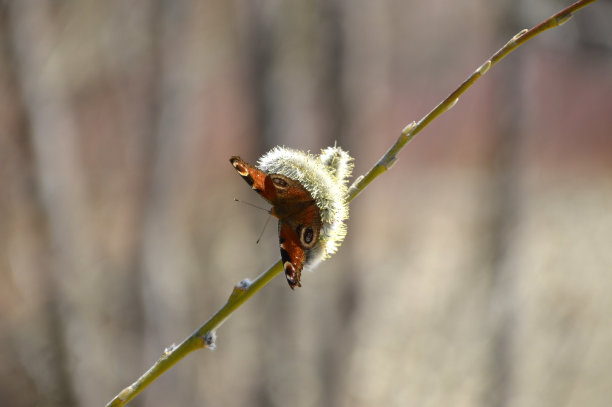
[478, 272]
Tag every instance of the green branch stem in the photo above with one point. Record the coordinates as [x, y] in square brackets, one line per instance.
[414, 128]
[204, 336]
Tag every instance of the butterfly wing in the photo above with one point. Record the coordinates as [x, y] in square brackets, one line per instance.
[255, 177]
[292, 253]
[279, 190]
[298, 234]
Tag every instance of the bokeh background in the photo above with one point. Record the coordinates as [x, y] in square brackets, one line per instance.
[477, 272]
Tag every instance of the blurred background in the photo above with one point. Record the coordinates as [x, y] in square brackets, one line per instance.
[477, 272]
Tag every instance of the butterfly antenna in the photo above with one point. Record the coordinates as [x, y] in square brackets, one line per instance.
[263, 209]
[250, 204]
[263, 230]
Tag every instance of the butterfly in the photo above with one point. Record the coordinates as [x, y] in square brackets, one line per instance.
[307, 194]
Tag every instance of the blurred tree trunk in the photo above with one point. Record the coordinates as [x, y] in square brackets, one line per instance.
[504, 212]
[61, 194]
[307, 118]
[163, 261]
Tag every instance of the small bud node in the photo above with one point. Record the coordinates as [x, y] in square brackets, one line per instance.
[484, 68]
[564, 19]
[451, 105]
[125, 393]
[389, 163]
[169, 349]
[519, 35]
[244, 284]
[209, 339]
[408, 129]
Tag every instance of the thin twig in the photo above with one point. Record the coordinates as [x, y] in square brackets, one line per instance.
[413, 128]
[204, 336]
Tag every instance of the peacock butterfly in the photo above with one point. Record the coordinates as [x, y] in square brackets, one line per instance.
[307, 194]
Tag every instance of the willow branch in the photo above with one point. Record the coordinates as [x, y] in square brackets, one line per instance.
[205, 335]
[411, 130]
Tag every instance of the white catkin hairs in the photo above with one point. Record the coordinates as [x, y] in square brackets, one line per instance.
[325, 176]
